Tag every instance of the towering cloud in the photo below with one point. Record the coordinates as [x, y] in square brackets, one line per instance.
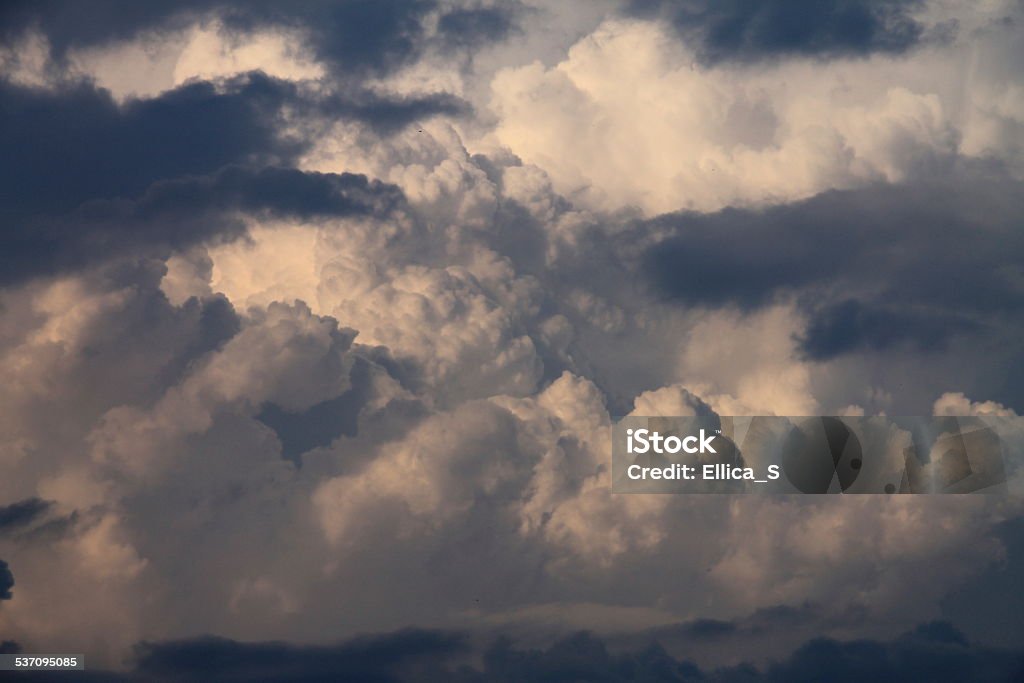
[314, 320]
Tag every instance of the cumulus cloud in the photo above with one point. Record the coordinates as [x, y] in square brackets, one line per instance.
[298, 359]
[631, 117]
[324, 332]
[873, 270]
[206, 170]
[955, 403]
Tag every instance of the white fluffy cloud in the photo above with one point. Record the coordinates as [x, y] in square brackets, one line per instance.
[631, 118]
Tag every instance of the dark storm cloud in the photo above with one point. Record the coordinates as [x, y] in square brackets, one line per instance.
[388, 115]
[699, 629]
[853, 325]
[67, 23]
[933, 652]
[173, 214]
[22, 514]
[471, 27]
[82, 177]
[747, 30]
[990, 605]
[355, 36]
[281, 191]
[6, 581]
[32, 519]
[405, 655]
[60, 148]
[875, 268]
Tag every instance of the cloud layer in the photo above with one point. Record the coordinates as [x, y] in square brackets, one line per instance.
[935, 651]
[314, 321]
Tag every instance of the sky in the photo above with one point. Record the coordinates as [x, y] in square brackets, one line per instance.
[315, 317]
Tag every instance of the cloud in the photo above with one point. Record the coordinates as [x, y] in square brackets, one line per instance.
[955, 403]
[301, 361]
[182, 357]
[6, 581]
[285, 318]
[356, 37]
[987, 607]
[280, 191]
[412, 654]
[630, 118]
[322, 423]
[851, 326]
[933, 651]
[474, 26]
[84, 344]
[87, 178]
[550, 506]
[769, 379]
[22, 514]
[745, 30]
[876, 268]
[431, 477]
[778, 628]
[104, 552]
[178, 213]
[502, 455]
[64, 147]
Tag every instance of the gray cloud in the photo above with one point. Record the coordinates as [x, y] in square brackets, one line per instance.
[502, 322]
[989, 606]
[34, 519]
[850, 326]
[473, 26]
[763, 621]
[6, 581]
[321, 424]
[174, 214]
[22, 514]
[356, 37]
[405, 655]
[85, 178]
[749, 30]
[63, 147]
[933, 651]
[886, 266]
